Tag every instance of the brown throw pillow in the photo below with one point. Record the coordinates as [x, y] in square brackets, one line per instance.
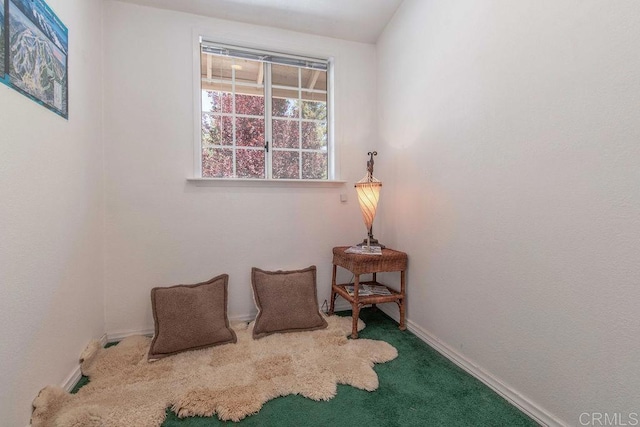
[287, 301]
[190, 317]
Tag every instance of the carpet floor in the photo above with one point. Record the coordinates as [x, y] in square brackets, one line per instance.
[419, 388]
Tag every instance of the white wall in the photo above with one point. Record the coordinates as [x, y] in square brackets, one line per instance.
[514, 128]
[51, 223]
[162, 230]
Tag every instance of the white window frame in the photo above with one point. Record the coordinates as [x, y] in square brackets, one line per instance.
[332, 168]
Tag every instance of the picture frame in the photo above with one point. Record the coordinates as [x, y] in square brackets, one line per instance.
[35, 53]
[3, 41]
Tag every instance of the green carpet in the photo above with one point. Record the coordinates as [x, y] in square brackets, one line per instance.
[419, 388]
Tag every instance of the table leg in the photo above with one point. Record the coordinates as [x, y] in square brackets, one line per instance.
[332, 303]
[355, 306]
[403, 303]
[356, 314]
[374, 279]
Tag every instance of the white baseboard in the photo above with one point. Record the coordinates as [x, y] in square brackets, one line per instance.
[243, 318]
[533, 410]
[72, 379]
[118, 336]
[342, 306]
[110, 337]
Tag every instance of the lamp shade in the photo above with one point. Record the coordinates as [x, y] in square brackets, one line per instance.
[368, 195]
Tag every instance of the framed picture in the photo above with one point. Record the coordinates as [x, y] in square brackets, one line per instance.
[35, 53]
[3, 41]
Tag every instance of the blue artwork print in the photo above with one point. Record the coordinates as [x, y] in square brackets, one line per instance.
[3, 64]
[37, 54]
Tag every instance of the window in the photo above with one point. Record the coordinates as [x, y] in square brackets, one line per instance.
[263, 115]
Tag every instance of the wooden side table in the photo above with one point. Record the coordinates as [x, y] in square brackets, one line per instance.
[390, 261]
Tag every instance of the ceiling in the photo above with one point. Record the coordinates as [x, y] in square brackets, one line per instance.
[357, 20]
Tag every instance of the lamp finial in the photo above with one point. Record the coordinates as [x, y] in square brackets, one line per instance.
[370, 163]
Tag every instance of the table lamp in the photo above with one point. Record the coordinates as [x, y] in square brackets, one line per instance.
[368, 189]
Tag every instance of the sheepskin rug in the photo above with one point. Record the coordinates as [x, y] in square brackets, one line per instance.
[232, 381]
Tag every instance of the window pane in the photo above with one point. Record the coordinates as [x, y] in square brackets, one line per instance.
[249, 132]
[286, 104]
[314, 135]
[286, 134]
[217, 162]
[248, 104]
[286, 165]
[316, 110]
[208, 103]
[210, 135]
[215, 67]
[216, 101]
[314, 79]
[247, 71]
[216, 130]
[314, 166]
[250, 163]
[220, 70]
[284, 75]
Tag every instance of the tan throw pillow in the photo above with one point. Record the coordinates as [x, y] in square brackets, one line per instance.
[287, 301]
[190, 317]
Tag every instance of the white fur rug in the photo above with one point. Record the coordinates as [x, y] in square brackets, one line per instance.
[232, 381]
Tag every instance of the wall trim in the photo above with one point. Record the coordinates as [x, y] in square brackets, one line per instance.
[342, 305]
[72, 379]
[120, 335]
[524, 404]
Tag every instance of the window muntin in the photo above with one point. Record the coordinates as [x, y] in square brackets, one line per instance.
[263, 116]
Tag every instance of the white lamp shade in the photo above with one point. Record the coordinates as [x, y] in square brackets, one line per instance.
[368, 195]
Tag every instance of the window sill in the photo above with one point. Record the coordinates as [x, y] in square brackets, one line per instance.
[245, 182]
